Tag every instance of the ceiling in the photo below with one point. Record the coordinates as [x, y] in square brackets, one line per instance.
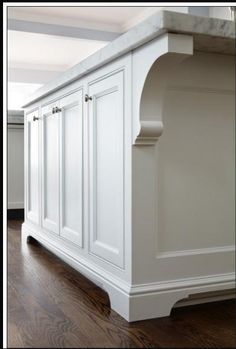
[51, 39]
[116, 19]
[40, 51]
[44, 41]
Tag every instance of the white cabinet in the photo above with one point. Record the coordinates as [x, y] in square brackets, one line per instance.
[71, 167]
[63, 139]
[32, 166]
[106, 147]
[84, 146]
[62, 167]
[50, 168]
[129, 177]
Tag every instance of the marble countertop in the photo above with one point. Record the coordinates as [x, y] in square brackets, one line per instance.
[203, 29]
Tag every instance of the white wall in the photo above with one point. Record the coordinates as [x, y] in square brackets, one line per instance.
[15, 161]
[18, 92]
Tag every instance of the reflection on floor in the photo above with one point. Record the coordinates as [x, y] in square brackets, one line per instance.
[50, 305]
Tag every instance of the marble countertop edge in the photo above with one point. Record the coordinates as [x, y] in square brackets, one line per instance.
[154, 26]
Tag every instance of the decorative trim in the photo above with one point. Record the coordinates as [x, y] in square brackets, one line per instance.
[206, 298]
[149, 133]
[107, 74]
[140, 301]
[200, 281]
[175, 48]
[136, 289]
[201, 89]
[55, 97]
[105, 246]
[183, 253]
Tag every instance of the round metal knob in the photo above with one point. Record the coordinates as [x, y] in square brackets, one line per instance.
[56, 110]
[35, 118]
[87, 98]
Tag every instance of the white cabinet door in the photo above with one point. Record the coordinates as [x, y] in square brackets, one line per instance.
[106, 150]
[32, 166]
[50, 169]
[71, 159]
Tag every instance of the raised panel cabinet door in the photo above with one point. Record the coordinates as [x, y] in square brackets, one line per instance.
[106, 153]
[50, 168]
[71, 159]
[32, 166]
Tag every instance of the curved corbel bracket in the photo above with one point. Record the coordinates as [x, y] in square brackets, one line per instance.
[149, 133]
[149, 84]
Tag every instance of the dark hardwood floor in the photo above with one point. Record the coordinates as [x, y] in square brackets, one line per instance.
[50, 305]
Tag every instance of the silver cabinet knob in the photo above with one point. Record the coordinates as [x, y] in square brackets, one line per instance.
[35, 118]
[56, 110]
[87, 98]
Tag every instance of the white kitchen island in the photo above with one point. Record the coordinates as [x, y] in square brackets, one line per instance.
[129, 165]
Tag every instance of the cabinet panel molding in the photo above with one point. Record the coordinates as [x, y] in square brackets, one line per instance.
[50, 169]
[106, 148]
[71, 160]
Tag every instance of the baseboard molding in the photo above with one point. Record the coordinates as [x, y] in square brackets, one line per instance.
[15, 213]
[184, 284]
[207, 297]
[156, 300]
[139, 302]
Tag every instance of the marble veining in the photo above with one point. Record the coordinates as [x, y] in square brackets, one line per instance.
[203, 29]
[200, 25]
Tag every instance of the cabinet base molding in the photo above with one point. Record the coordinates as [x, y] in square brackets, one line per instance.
[142, 301]
[16, 213]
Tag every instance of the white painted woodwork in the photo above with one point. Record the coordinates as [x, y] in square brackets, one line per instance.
[202, 173]
[32, 166]
[71, 167]
[50, 169]
[106, 134]
[187, 191]
[15, 161]
[169, 50]
[60, 30]
[138, 178]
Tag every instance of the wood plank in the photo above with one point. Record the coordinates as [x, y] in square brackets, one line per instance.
[52, 305]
